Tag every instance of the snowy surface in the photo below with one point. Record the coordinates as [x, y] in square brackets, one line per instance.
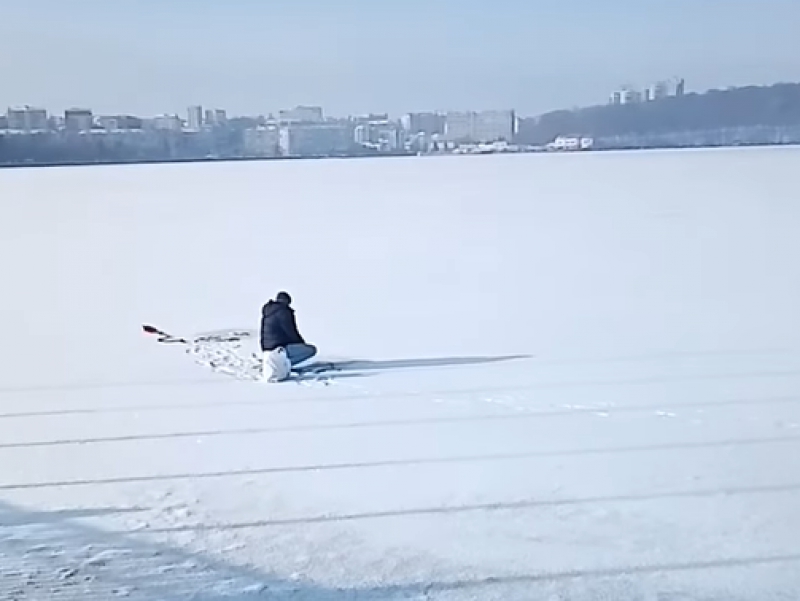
[575, 377]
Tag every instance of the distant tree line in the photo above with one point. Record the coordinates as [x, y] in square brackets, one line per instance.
[754, 112]
[128, 146]
[50, 148]
[131, 146]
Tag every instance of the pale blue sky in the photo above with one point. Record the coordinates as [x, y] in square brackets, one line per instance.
[354, 56]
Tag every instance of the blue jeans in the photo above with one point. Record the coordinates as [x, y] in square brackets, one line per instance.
[297, 353]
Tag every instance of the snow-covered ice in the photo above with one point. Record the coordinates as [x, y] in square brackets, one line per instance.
[573, 377]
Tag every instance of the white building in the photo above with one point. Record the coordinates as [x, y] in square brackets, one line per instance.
[390, 138]
[317, 139]
[302, 114]
[420, 142]
[625, 96]
[215, 117]
[656, 91]
[116, 123]
[361, 134]
[426, 123]
[460, 126]
[109, 123]
[484, 126]
[129, 122]
[195, 118]
[27, 119]
[167, 123]
[495, 126]
[78, 120]
[262, 141]
[382, 134]
[17, 119]
[571, 143]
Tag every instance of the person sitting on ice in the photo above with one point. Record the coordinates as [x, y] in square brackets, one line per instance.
[281, 343]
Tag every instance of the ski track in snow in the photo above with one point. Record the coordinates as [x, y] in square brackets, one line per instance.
[590, 402]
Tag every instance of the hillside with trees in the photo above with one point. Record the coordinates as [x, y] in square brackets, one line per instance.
[747, 115]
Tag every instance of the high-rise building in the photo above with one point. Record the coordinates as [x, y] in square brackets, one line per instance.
[16, 119]
[168, 123]
[657, 91]
[495, 126]
[215, 118]
[315, 139]
[37, 119]
[27, 119]
[302, 114]
[427, 123]
[460, 126]
[484, 126]
[195, 117]
[78, 120]
[262, 141]
[625, 96]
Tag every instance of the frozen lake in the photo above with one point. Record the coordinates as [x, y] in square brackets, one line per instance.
[575, 377]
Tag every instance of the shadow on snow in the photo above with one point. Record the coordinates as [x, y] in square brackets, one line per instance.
[48, 554]
[370, 365]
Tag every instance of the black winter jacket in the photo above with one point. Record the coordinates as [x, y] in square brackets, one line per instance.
[278, 326]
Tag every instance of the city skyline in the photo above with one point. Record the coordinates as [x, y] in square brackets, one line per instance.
[195, 114]
[30, 135]
[406, 57]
